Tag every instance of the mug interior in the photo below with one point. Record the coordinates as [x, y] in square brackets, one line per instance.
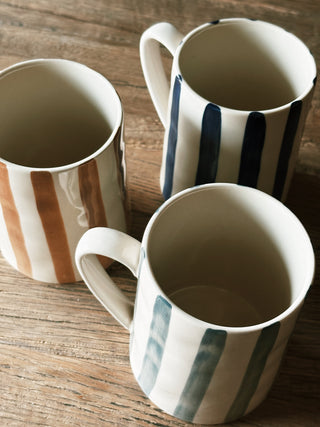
[54, 113]
[229, 255]
[246, 65]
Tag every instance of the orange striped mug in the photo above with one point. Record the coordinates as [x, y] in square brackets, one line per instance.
[62, 168]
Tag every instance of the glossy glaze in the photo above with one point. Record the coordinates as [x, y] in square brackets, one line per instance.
[45, 211]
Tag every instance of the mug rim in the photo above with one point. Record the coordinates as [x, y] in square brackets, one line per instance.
[208, 25]
[94, 154]
[308, 278]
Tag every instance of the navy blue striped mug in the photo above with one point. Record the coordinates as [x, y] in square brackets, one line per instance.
[236, 107]
[223, 271]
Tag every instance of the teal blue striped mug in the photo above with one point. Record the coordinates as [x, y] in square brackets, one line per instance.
[223, 271]
[237, 103]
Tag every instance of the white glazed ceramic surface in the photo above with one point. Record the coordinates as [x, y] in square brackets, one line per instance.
[61, 166]
[239, 95]
[197, 370]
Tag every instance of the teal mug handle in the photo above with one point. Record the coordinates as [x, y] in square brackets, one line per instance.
[118, 246]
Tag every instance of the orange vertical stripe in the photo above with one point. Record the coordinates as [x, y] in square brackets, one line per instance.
[119, 159]
[91, 196]
[53, 225]
[13, 224]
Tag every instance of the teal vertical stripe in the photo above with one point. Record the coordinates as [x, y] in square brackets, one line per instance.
[156, 344]
[254, 371]
[202, 370]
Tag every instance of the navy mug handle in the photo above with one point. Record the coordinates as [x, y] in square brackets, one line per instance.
[152, 66]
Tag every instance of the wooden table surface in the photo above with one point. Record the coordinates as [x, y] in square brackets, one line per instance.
[63, 358]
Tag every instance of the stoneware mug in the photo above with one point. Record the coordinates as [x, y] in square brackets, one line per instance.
[222, 271]
[239, 95]
[61, 165]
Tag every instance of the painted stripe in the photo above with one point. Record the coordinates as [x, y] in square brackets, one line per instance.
[5, 243]
[53, 225]
[13, 224]
[286, 148]
[252, 147]
[92, 201]
[156, 343]
[119, 153]
[172, 139]
[254, 371]
[111, 168]
[35, 238]
[209, 145]
[90, 193]
[204, 365]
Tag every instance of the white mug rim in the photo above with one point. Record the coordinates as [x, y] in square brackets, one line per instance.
[93, 155]
[207, 26]
[234, 329]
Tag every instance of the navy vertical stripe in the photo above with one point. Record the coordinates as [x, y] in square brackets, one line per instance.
[209, 145]
[156, 343]
[204, 365]
[254, 371]
[172, 138]
[286, 148]
[252, 147]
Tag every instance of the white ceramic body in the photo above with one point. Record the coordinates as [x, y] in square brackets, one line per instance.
[46, 209]
[196, 370]
[235, 111]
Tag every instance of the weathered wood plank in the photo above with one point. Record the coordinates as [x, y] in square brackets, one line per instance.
[64, 361]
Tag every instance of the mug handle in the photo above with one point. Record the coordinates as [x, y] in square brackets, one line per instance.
[118, 246]
[152, 66]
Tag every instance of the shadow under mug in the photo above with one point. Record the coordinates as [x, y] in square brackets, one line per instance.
[239, 96]
[61, 165]
[222, 272]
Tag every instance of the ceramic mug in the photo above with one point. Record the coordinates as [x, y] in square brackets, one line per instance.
[240, 92]
[222, 274]
[61, 165]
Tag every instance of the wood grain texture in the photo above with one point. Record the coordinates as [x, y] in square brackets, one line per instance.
[64, 361]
